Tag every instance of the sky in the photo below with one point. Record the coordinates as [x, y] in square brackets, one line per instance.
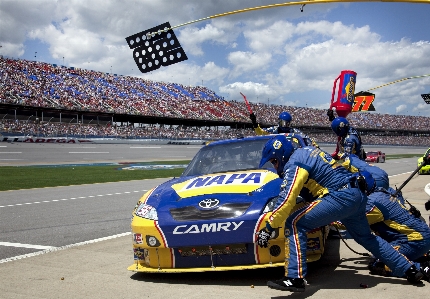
[280, 55]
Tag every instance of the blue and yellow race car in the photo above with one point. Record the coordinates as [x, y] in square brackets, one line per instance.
[207, 219]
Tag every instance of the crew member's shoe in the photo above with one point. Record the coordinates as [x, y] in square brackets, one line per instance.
[288, 284]
[378, 268]
[425, 269]
[414, 275]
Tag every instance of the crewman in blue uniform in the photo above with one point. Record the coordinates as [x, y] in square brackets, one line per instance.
[284, 122]
[349, 140]
[354, 164]
[340, 197]
[392, 221]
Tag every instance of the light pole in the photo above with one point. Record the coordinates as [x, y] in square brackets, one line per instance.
[63, 60]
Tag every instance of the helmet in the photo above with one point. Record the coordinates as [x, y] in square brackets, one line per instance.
[279, 148]
[340, 126]
[284, 121]
[380, 176]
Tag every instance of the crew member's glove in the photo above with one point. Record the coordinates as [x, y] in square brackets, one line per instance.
[341, 156]
[254, 120]
[335, 156]
[337, 224]
[330, 115]
[264, 235]
[362, 184]
[415, 212]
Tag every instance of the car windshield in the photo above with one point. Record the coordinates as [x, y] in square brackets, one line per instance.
[372, 153]
[231, 156]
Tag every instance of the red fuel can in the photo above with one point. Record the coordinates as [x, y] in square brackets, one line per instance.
[342, 99]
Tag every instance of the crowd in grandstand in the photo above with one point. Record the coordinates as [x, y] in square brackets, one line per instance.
[38, 84]
[65, 129]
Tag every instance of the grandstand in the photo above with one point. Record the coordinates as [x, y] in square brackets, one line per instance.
[43, 99]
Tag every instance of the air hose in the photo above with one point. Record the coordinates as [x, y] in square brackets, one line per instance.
[343, 240]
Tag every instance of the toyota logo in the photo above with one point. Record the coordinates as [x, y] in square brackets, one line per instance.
[208, 203]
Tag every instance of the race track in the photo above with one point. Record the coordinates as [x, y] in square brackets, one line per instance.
[83, 233]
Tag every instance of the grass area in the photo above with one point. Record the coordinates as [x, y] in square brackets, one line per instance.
[400, 156]
[26, 177]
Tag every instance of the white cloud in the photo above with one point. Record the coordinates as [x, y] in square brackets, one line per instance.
[78, 45]
[245, 62]
[192, 38]
[189, 74]
[12, 50]
[318, 64]
[271, 38]
[401, 108]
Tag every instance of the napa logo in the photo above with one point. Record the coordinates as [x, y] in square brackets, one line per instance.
[236, 178]
[237, 182]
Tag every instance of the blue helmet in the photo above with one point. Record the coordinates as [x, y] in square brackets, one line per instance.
[284, 121]
[340, 126]
[279, 148]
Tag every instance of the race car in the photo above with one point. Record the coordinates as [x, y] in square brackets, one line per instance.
[426, 168]
[207, 219]
[375, 157]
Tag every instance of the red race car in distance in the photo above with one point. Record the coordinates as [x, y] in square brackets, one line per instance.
[375, 157]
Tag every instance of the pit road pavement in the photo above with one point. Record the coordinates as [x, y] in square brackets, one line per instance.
[99, 270]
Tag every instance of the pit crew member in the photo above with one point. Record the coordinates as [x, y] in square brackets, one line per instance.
[340, 198]
[349, 140]
[354, 164]
[284, 121]
[391, 220]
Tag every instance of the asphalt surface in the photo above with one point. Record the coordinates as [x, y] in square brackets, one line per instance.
[19, 153]
[75, 242]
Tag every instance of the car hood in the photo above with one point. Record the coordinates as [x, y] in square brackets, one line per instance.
[215, 208]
